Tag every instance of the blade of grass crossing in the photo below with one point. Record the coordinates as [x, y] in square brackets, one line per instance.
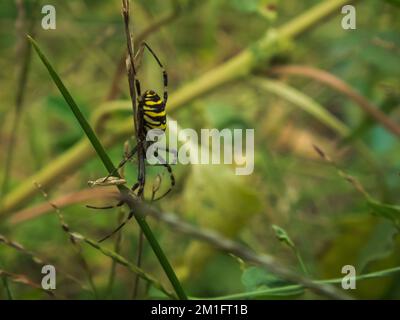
[7, 287]
[75, 109]
[110, 168]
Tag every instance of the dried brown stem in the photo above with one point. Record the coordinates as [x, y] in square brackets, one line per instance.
[341, 86]
[352, 180]
[37, 259]
[23, 26]
[226, 245]
[63, 201]
[119, 71]
[23, 279]
[75, 244]
[232, 247]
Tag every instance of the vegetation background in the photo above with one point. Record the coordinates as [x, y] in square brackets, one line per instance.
[324, 221]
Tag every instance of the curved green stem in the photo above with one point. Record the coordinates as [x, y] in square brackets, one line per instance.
[98, 147]
[293, 289]
[237, 67]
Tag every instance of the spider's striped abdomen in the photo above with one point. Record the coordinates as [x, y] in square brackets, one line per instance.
[154, 116]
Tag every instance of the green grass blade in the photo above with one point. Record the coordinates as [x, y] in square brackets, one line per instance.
[7, 287]
[110, 168]
[304, 102]
[122, 261]
[75, 109]
[291, 289]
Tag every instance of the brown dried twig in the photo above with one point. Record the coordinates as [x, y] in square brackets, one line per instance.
[23, 279]
[352, 180]
[37, 259]
[226, 245]
[61, 202]
[24, 50]
[75, 244]
[341, 86]
[232, 247]
[152, 28]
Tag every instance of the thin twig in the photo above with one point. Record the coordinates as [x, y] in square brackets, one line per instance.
[130, 66]
[154, 27]
[122, 261]
[284, 237]
[75, 237]
[23, 26]
[61, 202]
[75, 245]
[118, 239]
[117, 249]
[38, 260]
[23, 279]
[232, 247]
[229, 246]
[352, 180]
[139, 254]
[130, 63]
[291, 288]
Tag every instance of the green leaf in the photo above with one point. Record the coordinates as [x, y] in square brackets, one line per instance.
[292, 288]
[282, 236]
[215, 198]
[388, 211]
[379, 245]
[255, 279]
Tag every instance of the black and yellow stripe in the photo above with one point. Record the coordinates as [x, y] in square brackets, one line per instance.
[154, 116]
[150, 114]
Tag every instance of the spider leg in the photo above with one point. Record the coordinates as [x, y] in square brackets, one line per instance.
[140, 184]
[167, 150]
[165, 75]
[120, 203]
[133, 189]
[135, 186]
[138, 89]
[171, 176]
[128, 157]
[118, 228]
[138, 56]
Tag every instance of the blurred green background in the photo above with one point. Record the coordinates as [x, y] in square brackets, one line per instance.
[329, 222]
